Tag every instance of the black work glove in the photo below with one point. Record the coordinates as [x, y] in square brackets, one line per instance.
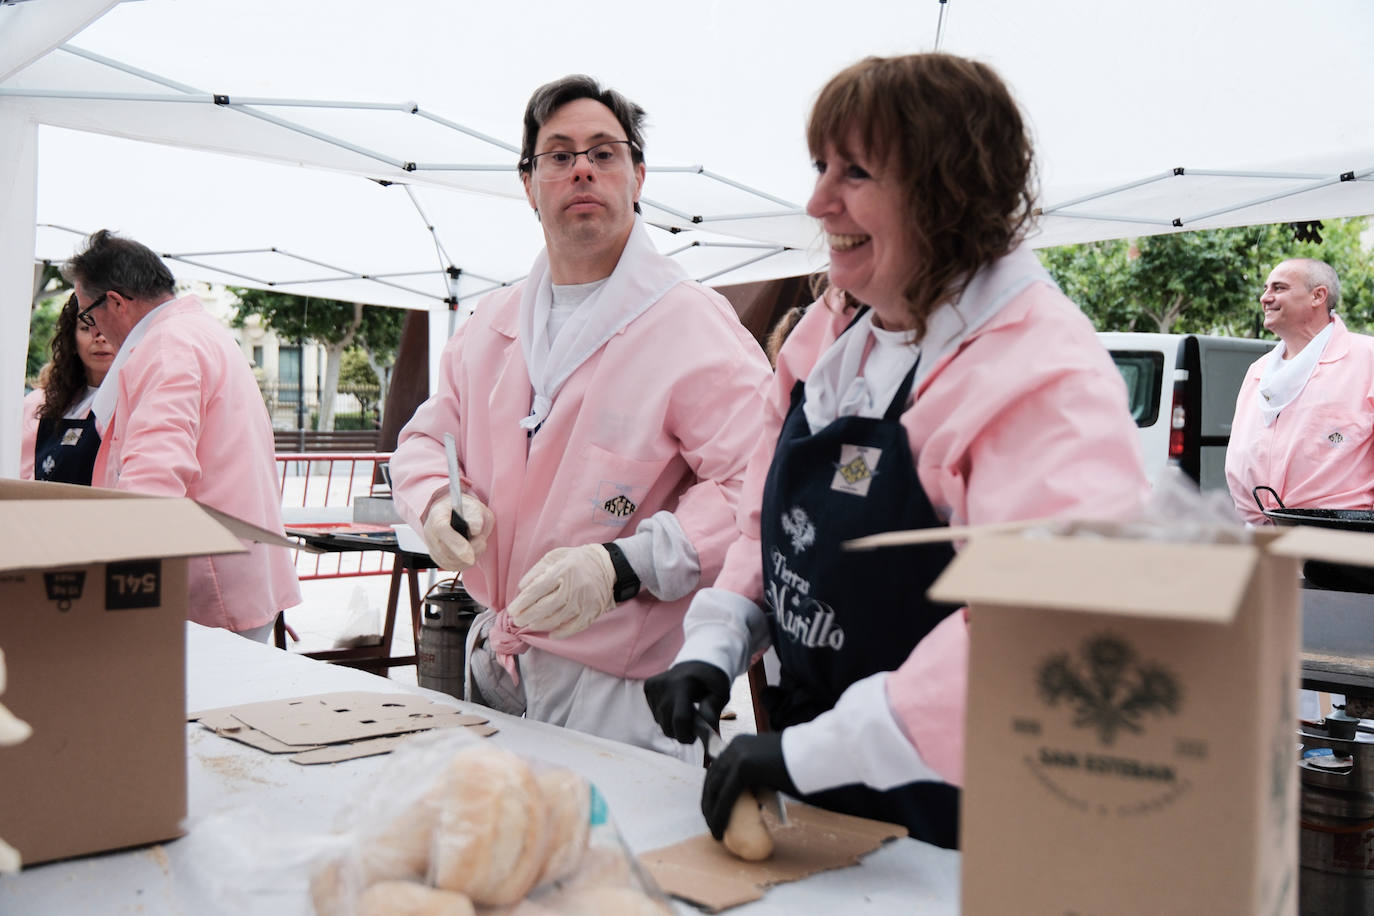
[673, 696]
[747, 762]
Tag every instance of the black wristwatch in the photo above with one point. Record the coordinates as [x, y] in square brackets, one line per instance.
[626, 582]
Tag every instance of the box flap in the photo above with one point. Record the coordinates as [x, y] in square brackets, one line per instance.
[1312, 543]
[41, 534]
[1106, 575]
[42, 489]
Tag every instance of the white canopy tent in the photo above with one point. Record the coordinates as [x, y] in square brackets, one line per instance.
[366, 152]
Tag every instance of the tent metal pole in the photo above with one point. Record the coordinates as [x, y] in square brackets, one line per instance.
[1108, 192]
[761, 215]
[1112, 218]
[706, 173]
[129, 69]
[667, 209]
[1198, 217]
[85, 95]
[751, 190]
[318, 135]
[454, 125]
[744, 263]
[1222, 173]
[461, 167]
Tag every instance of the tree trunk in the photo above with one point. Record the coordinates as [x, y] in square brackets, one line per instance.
[383, 374]
[333, 363]
[329, 391]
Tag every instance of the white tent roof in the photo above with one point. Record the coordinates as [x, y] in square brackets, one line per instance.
[1261, 103]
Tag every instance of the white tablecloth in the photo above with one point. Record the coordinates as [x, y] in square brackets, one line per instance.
[653, 800]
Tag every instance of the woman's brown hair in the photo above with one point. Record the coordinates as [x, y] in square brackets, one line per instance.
[953, 137]
[67, 375]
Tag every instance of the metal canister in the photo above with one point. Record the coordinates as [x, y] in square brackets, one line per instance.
[448, 614]
[1336, 844]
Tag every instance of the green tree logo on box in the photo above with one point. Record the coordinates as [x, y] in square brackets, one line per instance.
[1108, 687]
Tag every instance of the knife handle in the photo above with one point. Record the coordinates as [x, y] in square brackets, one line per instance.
[458, 523]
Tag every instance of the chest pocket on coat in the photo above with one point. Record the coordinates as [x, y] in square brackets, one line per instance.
[1332, 432]
[613, 488]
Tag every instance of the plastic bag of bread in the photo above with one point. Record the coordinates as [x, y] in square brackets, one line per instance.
[467, 827]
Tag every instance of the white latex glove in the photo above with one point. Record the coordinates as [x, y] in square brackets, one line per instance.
[565, 591]
[447, 547]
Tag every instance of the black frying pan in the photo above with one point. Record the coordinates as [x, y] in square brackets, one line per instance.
[1348, 519]
[1337, 576]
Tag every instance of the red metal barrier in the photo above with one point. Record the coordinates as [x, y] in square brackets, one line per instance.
[321, 487]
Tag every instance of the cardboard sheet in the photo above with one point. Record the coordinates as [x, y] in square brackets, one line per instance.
[703, 872]
[331, 727]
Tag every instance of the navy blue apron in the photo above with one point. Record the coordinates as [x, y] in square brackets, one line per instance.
[64, 450]
[839, 616]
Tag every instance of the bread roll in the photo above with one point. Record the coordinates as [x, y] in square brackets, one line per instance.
[568, 798]
[745, 835]
[490, 837]
[406, 898]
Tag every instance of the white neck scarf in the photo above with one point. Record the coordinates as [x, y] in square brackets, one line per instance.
[835, 388]
[1284, 379]
[640, 279]
[107, 395]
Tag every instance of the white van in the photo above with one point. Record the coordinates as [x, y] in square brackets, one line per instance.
[1182, 390]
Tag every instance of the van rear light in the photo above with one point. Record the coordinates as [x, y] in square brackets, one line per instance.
[1178, 419]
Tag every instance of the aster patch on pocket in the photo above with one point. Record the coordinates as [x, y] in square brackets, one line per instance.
[616, 502]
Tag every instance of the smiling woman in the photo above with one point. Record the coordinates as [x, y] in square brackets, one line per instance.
[940, 373]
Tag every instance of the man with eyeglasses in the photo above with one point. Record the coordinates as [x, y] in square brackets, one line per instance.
[603, 409]
[179, 414]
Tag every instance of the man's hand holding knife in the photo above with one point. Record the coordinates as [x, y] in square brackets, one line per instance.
[456, 525]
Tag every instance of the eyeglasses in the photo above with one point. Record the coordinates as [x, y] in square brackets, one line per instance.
[84, 316]
[604, 157]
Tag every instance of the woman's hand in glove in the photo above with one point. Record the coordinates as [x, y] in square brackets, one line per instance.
[673, 696]
[565, 591]
[748, 762]
[447, 547]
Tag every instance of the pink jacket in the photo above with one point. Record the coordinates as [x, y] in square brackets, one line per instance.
[665, 412]
[190, 421]
[28, 432]
[1026, 418]
[1319, 452]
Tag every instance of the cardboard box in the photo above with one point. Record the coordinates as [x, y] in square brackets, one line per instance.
[1131, 722]
[93, 626]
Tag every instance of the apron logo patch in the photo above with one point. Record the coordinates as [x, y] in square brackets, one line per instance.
[71, 437]
[1335, 439]
[619, 506]
[798, 527]
[615, 502]
[857, 466]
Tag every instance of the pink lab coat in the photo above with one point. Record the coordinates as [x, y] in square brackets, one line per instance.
[665, 413]
[1027, 418]
[190, 421]
[28, 432]
[1319, 452]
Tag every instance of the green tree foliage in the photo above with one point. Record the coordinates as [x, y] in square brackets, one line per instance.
[42, 323]
[333, 324]
[1207, 281]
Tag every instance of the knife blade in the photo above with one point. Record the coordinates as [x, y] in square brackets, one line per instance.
[768, 798]
[709, 736]
[455, 488]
